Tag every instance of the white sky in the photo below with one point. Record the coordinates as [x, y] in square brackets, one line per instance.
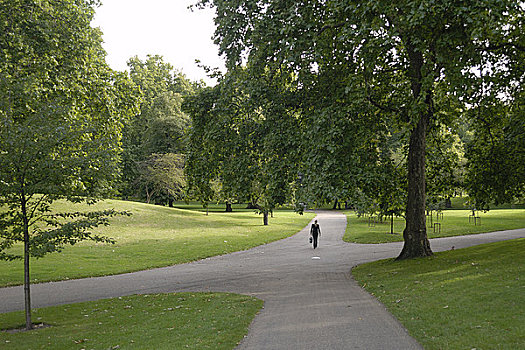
[159, 27]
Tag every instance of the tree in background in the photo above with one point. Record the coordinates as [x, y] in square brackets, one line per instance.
[401, 64]
[162, 178]
[160, 127]
[201, 169]
[496, 154]
[444, 171]
[61, 114]
[233, 143]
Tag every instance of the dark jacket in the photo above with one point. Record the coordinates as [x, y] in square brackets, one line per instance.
[315, 230]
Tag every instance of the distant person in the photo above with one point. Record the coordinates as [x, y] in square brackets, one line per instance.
[315, 232]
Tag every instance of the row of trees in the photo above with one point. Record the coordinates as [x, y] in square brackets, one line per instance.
[73, 129]
[359, 100]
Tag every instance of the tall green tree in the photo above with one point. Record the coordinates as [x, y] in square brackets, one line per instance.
[61, 114]
[162, 178]
[233, 142]
[401, 62]
[161, 126]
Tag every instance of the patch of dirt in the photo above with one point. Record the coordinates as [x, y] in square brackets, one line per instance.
[36, 326]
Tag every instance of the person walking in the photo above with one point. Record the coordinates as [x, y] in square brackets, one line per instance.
[315, 232]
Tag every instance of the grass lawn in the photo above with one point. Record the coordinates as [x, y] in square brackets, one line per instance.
[453, 223]
[155, 236]
[462, 203]
[160, 321]
[462, 299]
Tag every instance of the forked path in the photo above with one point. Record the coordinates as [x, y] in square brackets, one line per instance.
[311, 301]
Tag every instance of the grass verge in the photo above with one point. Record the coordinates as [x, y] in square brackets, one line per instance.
[155, 236]
[160, 321]
[453, 223]
[462, 299]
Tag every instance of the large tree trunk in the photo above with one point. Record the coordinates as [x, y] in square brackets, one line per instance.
[415, 233]
[229, 207]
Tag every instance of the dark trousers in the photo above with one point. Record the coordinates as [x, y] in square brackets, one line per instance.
[315, 240]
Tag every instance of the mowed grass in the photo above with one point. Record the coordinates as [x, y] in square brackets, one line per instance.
[155, 236]
[160, 321]
[453, 223]
[470, 298]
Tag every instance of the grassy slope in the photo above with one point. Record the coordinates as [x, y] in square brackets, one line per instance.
[462, 299]
[156, 236]
[166, 321]
[454, 223]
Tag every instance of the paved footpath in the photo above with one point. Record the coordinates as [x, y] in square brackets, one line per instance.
[311, 300]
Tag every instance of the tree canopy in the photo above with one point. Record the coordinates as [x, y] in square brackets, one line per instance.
[389, 71]
[234, 151]
[496, 154]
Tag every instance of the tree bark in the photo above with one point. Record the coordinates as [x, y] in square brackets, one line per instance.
[265, 213]
[415, 233]
[229, 207]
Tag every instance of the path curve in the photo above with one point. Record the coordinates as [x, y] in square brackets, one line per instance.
[309, 303]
